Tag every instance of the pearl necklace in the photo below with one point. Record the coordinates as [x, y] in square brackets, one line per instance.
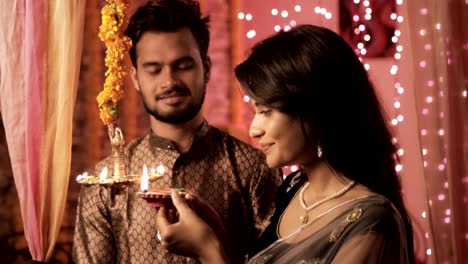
[305, 218]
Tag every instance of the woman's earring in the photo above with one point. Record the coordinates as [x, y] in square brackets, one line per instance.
[319, 151]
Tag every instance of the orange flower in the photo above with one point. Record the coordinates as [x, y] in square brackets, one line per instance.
[111, 32]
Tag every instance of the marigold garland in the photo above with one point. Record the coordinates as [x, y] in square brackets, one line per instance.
[111, 32]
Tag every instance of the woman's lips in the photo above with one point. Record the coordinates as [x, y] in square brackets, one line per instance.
[265, 147]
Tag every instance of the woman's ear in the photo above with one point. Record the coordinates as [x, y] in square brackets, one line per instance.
[307, 131]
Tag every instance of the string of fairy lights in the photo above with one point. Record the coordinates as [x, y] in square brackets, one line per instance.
[431, 110]
[365, 37]
[425, 111]
[285, 18]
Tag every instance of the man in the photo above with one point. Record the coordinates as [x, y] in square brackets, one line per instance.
[170, 70]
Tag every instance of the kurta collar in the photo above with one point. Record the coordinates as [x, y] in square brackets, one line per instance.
[165, 143]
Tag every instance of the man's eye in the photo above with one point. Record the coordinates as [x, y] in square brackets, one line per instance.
[185, 65]
[153, 71]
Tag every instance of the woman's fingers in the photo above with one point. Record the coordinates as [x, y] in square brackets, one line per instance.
[162, 223]
[180, 204]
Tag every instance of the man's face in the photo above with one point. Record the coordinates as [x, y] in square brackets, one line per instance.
[170, 75]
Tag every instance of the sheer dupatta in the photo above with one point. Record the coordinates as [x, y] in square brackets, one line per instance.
[364, 230]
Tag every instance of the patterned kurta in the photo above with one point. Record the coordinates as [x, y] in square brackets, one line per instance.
[115, 226]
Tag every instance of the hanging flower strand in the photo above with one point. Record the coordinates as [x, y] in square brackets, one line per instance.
[111, 32]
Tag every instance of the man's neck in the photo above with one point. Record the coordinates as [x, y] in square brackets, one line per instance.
[180, 134]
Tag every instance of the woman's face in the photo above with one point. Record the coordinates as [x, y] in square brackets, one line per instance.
[280, 137]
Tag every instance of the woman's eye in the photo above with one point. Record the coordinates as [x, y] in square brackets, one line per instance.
[266, 112]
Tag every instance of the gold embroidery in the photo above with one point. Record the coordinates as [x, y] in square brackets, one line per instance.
[311, 261]
[294, 180]
[336, 233]
[263, 259]
[354, 215]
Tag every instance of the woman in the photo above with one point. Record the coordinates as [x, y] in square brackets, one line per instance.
[314, 106]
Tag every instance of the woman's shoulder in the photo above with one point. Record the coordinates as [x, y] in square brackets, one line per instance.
[373, 212]
[361, 196]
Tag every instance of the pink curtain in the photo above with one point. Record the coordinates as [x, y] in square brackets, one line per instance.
[439, 37]
[40, 50]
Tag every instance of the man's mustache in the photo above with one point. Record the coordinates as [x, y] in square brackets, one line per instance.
[175, 91]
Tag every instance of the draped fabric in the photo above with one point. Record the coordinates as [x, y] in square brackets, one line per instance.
[40, 51]
[369, 223]
[439, 37]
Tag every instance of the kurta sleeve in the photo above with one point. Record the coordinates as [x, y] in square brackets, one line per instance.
[93, 239]
[263, 193]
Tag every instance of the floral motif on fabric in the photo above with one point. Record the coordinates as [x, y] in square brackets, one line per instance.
[296, 178]
[352, 217]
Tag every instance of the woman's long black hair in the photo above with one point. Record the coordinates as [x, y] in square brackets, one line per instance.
[311, 73]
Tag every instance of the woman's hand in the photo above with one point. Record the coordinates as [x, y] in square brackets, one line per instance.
[192, 236]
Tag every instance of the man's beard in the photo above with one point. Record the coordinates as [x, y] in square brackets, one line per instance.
[179, 116]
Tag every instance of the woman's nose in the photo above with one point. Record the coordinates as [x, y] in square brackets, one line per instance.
[255, 132]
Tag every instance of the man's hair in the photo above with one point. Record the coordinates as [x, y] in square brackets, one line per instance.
[169, 16]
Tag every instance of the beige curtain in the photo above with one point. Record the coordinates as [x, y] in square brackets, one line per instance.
[40, 51]
[439, 39]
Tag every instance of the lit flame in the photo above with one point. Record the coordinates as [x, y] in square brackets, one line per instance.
[103, 174]
[144, 179]
[81, 177]
[160, 169]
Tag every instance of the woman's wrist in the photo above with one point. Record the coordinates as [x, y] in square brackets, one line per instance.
[213, 253]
